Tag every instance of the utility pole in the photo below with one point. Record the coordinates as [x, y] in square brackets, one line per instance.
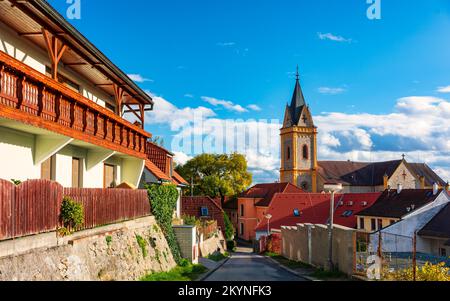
[332, 188]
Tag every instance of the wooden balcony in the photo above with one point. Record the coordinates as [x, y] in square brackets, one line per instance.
[30, 97]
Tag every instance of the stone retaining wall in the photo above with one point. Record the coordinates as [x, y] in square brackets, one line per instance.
[102, 254]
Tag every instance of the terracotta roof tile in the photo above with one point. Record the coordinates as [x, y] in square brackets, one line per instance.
[158, 173]
[266, 192]
[315, 209]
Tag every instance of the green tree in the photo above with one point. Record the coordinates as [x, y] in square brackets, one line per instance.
[229, 229]
[217, 175]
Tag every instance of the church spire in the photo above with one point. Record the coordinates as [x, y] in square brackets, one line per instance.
[298, 101]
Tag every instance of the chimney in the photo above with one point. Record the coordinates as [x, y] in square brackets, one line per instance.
[422, 182]
[399, 188]
[435, 188]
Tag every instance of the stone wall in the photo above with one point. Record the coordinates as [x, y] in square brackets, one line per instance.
[309, 244]
[102, 254]
[212, 245]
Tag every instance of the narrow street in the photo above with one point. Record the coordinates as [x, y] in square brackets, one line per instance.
[247, 266]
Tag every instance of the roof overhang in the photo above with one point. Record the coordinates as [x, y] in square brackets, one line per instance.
[29, 18]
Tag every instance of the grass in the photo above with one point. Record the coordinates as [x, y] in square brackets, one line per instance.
[324, 274]
[289, 263]
[188, 273]
[218, 257]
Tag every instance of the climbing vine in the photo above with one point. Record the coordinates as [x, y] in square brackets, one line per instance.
[163, 199]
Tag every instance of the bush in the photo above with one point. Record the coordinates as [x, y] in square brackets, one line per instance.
[231, 245]
[428, 272]
[191, 221]
[229, 229]
[72, 214]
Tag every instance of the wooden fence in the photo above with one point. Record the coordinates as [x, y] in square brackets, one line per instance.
[33, 207]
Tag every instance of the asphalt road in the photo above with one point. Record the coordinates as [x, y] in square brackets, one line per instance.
[251, 267]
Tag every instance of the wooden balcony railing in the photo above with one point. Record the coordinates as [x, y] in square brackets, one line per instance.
[30, 97]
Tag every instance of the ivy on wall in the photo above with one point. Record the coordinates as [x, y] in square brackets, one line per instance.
[163, 199]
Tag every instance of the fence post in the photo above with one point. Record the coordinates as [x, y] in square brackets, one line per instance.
[415, 256]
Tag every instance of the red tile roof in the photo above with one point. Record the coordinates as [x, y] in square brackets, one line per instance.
[158, 173]
[315, 208]
[179, 179]
[266, 192]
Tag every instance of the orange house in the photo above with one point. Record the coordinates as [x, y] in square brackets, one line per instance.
[254, 203]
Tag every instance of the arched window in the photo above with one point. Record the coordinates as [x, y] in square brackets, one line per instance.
[305, 152]
[288, 153]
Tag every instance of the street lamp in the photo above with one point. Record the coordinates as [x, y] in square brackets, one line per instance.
[332, 188]
[268, 217]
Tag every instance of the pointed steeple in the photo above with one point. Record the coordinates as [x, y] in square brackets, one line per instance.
[297, 102]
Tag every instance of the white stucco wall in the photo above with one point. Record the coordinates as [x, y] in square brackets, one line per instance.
[16, 156]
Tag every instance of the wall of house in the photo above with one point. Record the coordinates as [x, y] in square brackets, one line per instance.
[17, 159]
[249, 220]
[308, 244]
[436, 245]
[16, 156]
[110, 253]
[367, 227]
[408, 226]
[193, 206]
[36, 58]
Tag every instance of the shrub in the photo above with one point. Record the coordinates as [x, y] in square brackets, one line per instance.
[428, 272]
[191, 221]
[229, 229]
[231, 245]
[16, 182]
[72, 214]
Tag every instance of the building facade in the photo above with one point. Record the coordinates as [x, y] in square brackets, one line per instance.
[62, 104]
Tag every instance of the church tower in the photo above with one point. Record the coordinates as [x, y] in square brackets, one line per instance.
[299, 144]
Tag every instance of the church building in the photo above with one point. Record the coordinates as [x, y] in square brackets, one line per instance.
[300, 165]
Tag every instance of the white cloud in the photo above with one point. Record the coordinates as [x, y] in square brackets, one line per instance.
[332, 37]
[444, 89]
[189, 95]
[166, 113]
[418, 127]
[254, 107]
[331, 91]
[226, 44]
[181, 158]
[139, 78]
[229, 105]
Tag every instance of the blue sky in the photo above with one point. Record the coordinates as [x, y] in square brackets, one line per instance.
[376, 87]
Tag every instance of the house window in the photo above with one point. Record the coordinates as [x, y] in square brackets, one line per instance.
[242, 229]
[362, 223]
[373, 224]
[48, 169]
[76, 173]
[109, 176]
[443, 252]
[296, 212]
[380, 224]
[205, 211]
[242, 209]
[305, 152]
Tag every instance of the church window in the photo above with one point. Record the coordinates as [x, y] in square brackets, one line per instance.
[305, 152]
[305, 186]
[288, 153]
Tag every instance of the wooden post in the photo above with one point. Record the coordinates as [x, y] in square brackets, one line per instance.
[55, 53]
